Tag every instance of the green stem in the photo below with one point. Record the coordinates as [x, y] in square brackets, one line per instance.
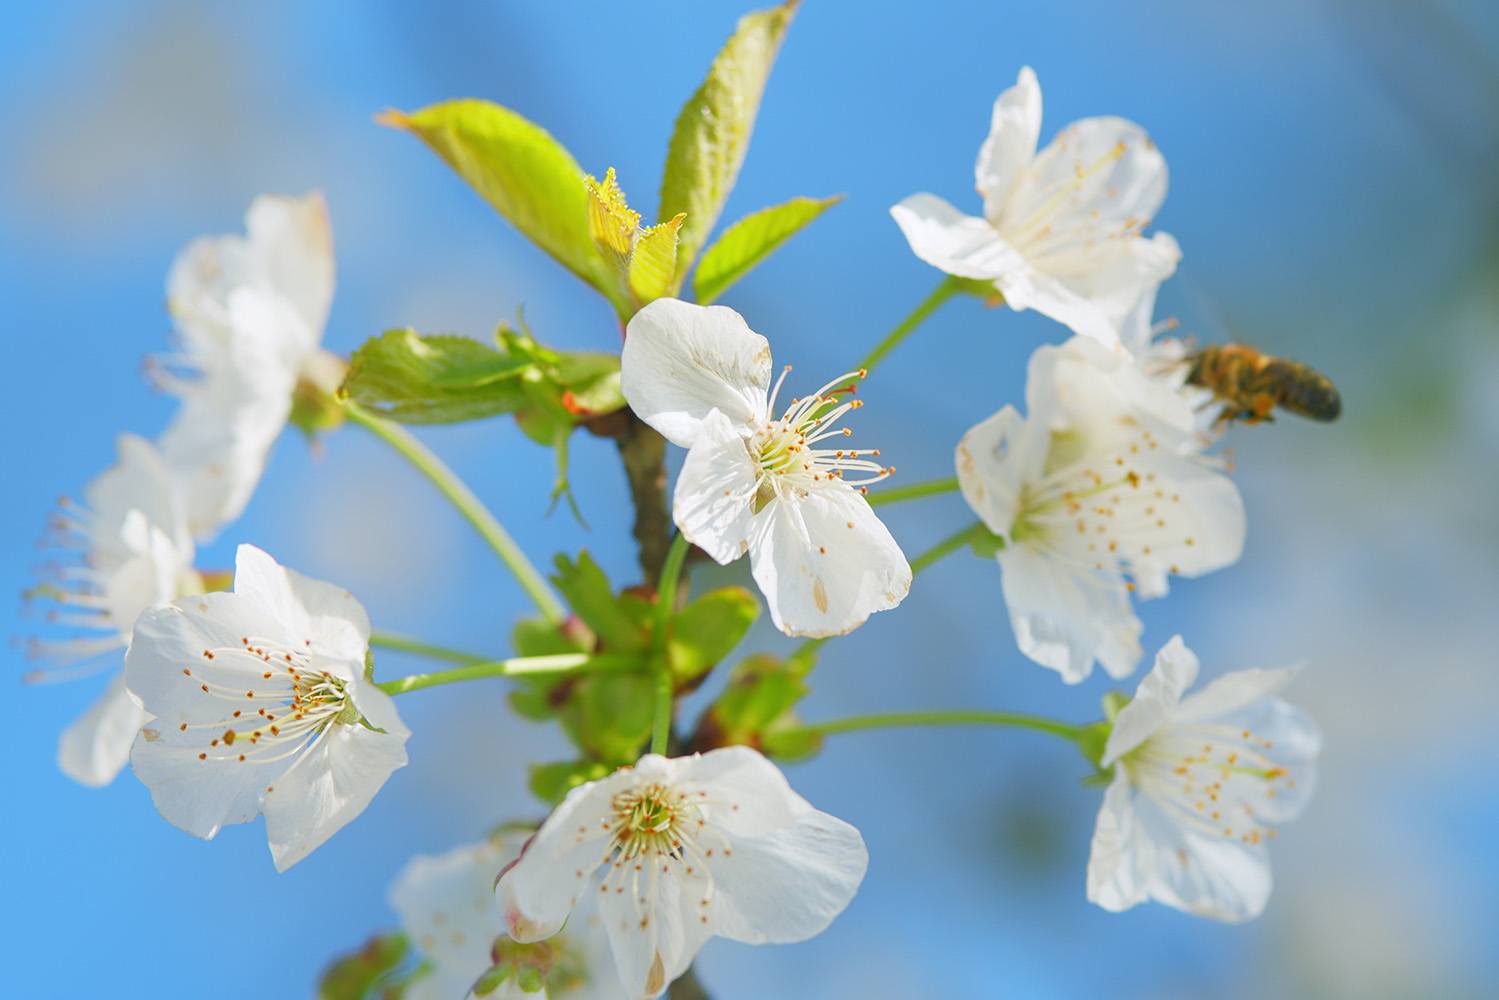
[389, 640]
[929, 305]
[915, 491]
[666, 602]
[470, 506]
[949, 545]
[957, 717]
[520, 666]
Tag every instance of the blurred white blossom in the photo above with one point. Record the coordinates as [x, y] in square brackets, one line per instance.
[1061, 227]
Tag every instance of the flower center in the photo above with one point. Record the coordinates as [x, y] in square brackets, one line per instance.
[789, 461]
[1100, 508]
[291, 706]
[649, 820]
[1214, 777]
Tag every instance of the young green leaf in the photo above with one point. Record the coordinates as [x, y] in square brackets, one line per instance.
[713, 130]
[749, 241]
[433, 379]
[591, 596]
[524, 173]
[708, 629]
[610, 715]
[549, 782]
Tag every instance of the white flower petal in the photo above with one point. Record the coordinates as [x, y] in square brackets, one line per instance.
[1116, 873]
[540, 889]
[825, 562]
[1093, 291]
[295, 242]
[171, 638]
[1232, 692]
[1141, 853]
[995, 460]
[654, 929]
[330, 621]
[715, 492]
[682, 361]
[287, 258]
[1065, 617]
[139, 482]
[1013, 131]
[186, 795]
[197, 795]
[950, 241]
[329, 785]
[750, 795]
[1102, 393]
[1098, 176]
[219, 440]
[1204, 522]
[1155, 702]
[788, 885]
[96, 746]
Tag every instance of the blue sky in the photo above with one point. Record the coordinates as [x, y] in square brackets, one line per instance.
[1332, 189]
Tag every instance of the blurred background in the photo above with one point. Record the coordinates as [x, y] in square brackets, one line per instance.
[1334, 187]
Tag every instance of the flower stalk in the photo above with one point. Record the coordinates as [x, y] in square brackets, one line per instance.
[519, 666]
[953, 717]
[914, 491]
[469, 505]
[944, 291]
[403, 644]
[666, 600]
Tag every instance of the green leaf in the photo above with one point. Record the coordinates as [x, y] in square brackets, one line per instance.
[550, 782]
[761, 689]
[433, 379]
[610, 715]
[749, 241]
[653, 262]
[708, 629]
[357, 975]
[713, 129]
[524, 173]
[591, 597]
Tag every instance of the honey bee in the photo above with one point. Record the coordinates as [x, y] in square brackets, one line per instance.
[1251, 385]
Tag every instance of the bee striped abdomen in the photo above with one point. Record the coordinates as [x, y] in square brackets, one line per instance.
[1251, 385]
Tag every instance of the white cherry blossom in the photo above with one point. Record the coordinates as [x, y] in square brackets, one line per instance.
[1200, 784]
[775, 488]
[1099, 492]
[250, 312]
[449, 913]
[260, 705]
[133, 550]
[678, 850]
[1061, 227]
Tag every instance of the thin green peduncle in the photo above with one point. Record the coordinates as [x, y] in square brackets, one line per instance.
[469, 505]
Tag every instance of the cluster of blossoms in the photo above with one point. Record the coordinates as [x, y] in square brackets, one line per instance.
[261, 699]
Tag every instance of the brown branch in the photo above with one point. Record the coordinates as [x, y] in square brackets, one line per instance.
[644, 454]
